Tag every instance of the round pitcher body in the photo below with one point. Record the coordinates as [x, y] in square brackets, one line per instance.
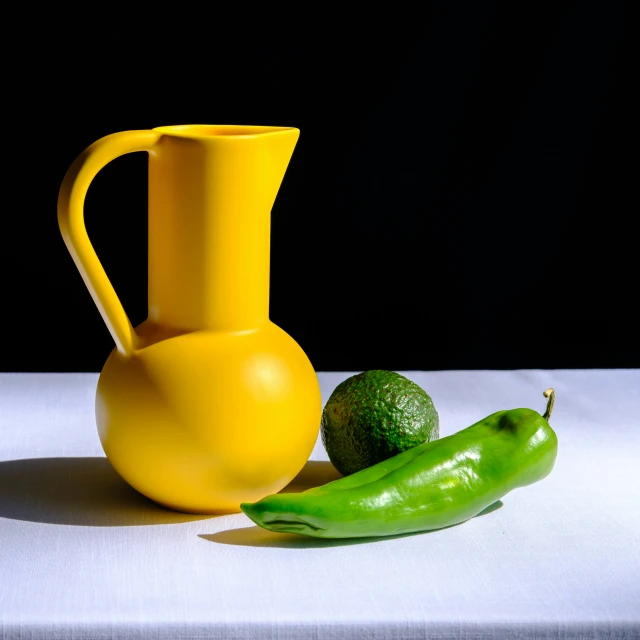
[203, 421]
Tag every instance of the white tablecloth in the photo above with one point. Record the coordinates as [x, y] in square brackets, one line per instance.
[84, 556]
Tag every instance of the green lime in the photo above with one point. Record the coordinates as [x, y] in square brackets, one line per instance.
[373, 416]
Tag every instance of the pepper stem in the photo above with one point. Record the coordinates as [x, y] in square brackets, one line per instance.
[551, 394]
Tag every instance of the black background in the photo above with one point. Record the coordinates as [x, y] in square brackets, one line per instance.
[461, 196]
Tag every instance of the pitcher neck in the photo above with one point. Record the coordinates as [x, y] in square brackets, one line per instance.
[210, 200]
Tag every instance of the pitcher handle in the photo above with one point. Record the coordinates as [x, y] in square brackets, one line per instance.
[71, 221]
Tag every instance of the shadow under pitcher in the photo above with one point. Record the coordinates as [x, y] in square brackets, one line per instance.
[207, 403]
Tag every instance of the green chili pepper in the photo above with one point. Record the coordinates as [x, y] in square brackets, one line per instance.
[434, 485]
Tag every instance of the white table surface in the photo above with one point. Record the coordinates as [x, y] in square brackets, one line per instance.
[84, 556]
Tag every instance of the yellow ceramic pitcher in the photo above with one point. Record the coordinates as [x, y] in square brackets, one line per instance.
[207, 403]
